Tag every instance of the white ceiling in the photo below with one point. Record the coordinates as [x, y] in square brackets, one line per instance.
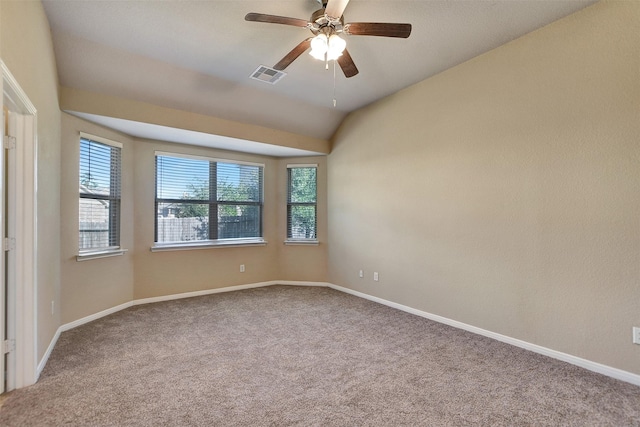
[197, 55]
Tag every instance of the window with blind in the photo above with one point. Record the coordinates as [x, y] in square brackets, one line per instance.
[99, 182]
[302, 202]
[200, 199]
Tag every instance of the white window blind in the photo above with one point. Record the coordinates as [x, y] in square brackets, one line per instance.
[204, 199]
[99, 182]
[302, 206]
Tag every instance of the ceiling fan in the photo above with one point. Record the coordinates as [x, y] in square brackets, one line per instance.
[326, 24]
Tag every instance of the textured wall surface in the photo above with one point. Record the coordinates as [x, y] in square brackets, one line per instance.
[172, 272]
[165, 273]
[505, 192]
[112, 106]
[303, 262]
[28, 53]
[92, 286]
[89, 287]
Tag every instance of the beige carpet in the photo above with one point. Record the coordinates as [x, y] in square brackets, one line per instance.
[282, 356]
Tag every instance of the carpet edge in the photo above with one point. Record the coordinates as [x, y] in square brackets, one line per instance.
[599, 368]
[606, 370]
[67, 326]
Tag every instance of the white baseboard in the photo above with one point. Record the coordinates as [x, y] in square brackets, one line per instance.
[311, 284]
[609, 371]
[47, 353]
[103, 313]
[201, 293]
[95, 316]
[574, 360]
[72, 325]
[225, 289]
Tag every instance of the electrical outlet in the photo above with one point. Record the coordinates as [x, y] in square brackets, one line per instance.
[52, 307]
[241, 268]
[376, 277]
[636, 335]
[361, 274]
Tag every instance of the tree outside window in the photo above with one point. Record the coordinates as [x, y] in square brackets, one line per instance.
[198, 199]
[302, 202]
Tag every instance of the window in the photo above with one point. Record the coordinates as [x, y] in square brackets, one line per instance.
[99, 182]
[200, 200]
[302, 202]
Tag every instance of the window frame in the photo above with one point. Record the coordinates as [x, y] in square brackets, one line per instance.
[114, 247]
[301, 241]
[213, 204]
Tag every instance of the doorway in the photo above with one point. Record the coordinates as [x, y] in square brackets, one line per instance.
[18, 357]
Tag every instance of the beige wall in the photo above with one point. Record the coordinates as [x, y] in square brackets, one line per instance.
[502, 193]
[303, 262]
[90, 286]
[111, 106]
[505, 193]
[28, 53]
[173, 272]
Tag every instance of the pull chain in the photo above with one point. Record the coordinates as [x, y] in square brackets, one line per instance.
[334, 85]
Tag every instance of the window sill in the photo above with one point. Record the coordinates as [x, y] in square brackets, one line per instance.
[301, 242]
[86, 256]
[231, 243]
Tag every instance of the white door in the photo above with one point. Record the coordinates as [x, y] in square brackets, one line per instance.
[11, 124]
[15, 125]
[3, 282]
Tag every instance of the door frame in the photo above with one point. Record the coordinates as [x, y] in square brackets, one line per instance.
[23, 328]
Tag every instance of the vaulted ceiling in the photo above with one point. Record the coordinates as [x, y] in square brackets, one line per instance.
[197, 56]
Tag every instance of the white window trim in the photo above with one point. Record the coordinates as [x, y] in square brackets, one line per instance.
[302, 165]
[208, 244]
[209, 159]
[101, 140]
[95, 254]
[313, 241]
[303, 242]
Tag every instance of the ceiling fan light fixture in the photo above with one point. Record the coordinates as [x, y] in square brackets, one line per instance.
[332, 46]
[319, 46]
[317, 55]
[336, 47]
[326, 24]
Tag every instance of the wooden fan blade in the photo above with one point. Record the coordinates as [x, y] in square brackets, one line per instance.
[378, 29]
[273, 19]
[346, 63]
[291, 56]
[335, 8]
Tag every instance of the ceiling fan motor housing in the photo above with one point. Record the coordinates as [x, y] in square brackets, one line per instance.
[319, 20]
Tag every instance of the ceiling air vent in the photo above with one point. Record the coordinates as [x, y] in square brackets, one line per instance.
[267, 75]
